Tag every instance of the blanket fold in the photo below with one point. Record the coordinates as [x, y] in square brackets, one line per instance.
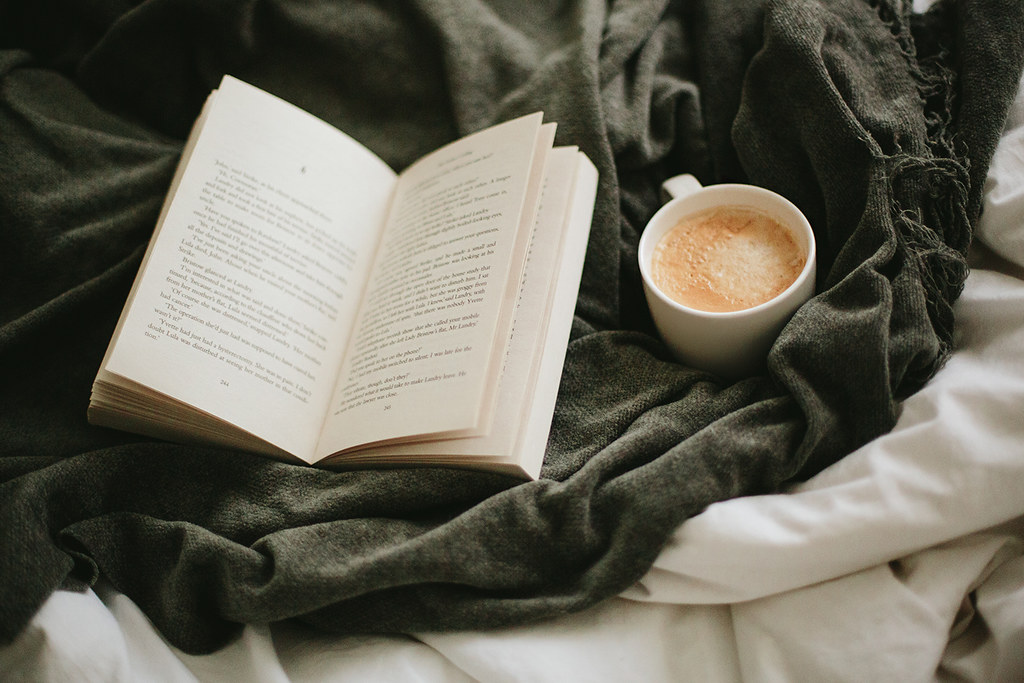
[878, 122]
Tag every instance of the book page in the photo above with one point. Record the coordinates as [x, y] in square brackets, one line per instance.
[533, 438]
[244, 302]
[542, 321]
[420, 358]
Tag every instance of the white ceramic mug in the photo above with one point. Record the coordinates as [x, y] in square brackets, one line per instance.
[732, 344]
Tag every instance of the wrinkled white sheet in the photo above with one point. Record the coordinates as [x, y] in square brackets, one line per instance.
[902, 562]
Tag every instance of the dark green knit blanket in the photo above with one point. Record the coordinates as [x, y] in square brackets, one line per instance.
[877, 122]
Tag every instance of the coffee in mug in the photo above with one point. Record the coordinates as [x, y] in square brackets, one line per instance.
[724, 267]
[726, 258]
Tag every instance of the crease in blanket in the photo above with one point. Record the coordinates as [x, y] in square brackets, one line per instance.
[879, 123]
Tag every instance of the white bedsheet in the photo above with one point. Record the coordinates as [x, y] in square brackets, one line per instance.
[902, 562]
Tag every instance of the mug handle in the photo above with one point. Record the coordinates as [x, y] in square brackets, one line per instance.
[679, 186]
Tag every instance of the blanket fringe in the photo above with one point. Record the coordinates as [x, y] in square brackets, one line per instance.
[930, 193]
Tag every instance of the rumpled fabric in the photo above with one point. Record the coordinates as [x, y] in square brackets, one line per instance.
[878, 122]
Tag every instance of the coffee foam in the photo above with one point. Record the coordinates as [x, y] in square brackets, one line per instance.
[726, 259]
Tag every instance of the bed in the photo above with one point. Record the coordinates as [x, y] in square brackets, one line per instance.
[895, 554]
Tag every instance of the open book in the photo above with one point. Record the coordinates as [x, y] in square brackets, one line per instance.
[300, 300]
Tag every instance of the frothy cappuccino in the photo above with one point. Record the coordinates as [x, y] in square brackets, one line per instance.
[727, 258]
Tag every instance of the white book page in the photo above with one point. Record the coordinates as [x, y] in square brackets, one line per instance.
[419, 361]
[534, 437]
[246, 296]
[543, 315]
